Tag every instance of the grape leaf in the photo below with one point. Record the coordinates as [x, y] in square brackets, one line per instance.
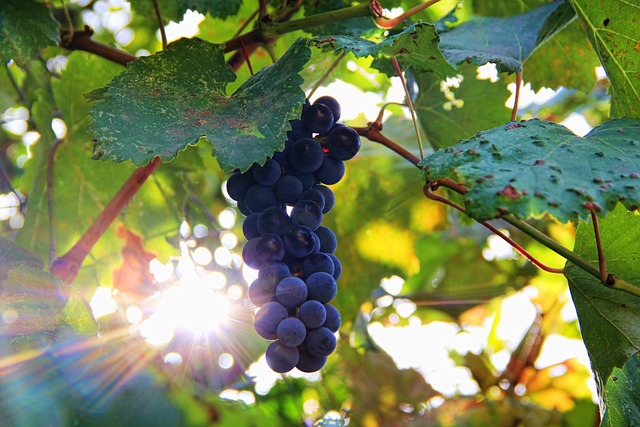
[416, 46]
[508, 41]
[26, 27]
[614, 32]
[12, 255]
[609, 319]
[180, 97]
[174, 10]
[533, 167]
[478, 105]
[621, 395]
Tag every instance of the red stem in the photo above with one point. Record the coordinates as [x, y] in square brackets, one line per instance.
[66, 267]
[372, 133]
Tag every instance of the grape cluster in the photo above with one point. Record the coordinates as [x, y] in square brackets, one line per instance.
[284, 201]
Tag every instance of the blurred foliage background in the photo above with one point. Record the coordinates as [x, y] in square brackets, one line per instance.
[443, 323]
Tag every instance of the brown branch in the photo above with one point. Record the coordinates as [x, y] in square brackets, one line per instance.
[372, 133]
[66, 267]
[81, 40]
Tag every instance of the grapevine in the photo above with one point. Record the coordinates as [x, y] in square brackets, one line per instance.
[284, 201]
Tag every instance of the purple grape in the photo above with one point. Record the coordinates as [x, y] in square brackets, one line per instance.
[268, 318]
[313, 314]
[320, 342]
[291, 332]
[291, 292]
[280, 358]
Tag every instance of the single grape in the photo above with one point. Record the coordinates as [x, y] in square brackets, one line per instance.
[321, 287]
[337, 271]
[268, 174]
[291, 292]
[238, 184]
[268, 318]
[333, 105]
[328, 240]
[259, 197]
[250, 226]
[291, 332]
[262, 291]
[313, 314]
[328, 196]
[320, 342]
[318, 118]
[343, 143]
[330, 171]
[273, 221]
[307, 213]
[280, 358]
[317, 262]
[298, 131]
[299, 242]
[333, 320]
[288, 189]
[267, 248]
[306, 155]
[308, 362]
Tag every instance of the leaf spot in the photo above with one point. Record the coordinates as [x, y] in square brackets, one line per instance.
[510, 192]
[606, 22]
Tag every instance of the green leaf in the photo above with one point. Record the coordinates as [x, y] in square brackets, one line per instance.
[25, 27]
[613, 29]
[609, 319]
[416, 46]
[507, 42]
[622, 395]
[529, 168]
[78, 314]
[174, 10]
[452, 114]
[180, 97]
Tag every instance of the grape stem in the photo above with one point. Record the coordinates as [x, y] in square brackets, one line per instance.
[602, 262]
[386, 23]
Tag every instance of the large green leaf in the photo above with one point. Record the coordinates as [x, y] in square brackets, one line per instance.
[614, 32]
[416, 46]
[26, 27]
[180, 97]
[448, 115]
[529, 168]
[507, 42]
[609, 319]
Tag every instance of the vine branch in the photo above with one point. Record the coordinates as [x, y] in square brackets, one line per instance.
[602, 262]
[372, 133]
[163, 34]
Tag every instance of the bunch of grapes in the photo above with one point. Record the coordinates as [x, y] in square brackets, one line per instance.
[284, 201]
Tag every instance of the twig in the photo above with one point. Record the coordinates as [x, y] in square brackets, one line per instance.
[245, 24]
[414, 118]
[53, 149]
[372, 132]
[16, 87]
[385, 23]
[602, 262]
[516, 101]
[163, 34]
[68, 17]
[326, 75]
[66, 267]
